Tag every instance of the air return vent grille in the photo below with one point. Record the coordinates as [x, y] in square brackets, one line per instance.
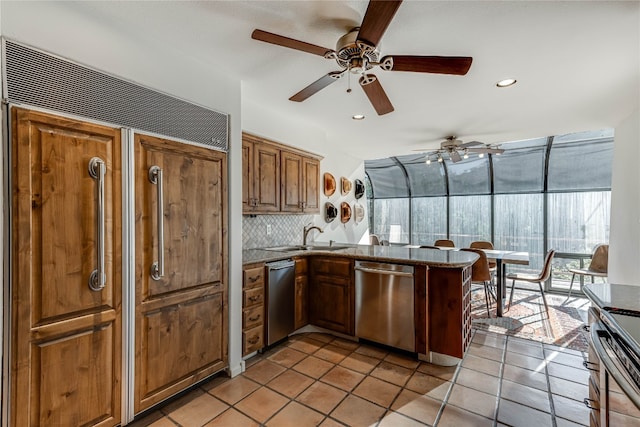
[46, 81]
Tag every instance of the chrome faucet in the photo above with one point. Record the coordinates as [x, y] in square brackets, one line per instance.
[306, 232]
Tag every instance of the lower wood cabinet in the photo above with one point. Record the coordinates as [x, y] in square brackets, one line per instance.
[331, 294]
[449, 310]
[253, 310]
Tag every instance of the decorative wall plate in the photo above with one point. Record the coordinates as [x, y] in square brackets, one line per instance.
[359, 190]
[345, 186]
[330, 212]
[329, 184]
[358, 212]
[345, 212]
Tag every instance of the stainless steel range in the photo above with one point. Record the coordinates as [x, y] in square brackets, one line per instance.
[614, 355]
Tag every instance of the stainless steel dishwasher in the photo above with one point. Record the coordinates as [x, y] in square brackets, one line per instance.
[280, 300]
[385, 304]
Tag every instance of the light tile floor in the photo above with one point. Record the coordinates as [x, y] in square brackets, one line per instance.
[317, 379]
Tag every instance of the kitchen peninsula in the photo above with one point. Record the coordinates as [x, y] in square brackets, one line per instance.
[326, 294]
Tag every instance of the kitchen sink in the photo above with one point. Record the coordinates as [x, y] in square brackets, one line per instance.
[305, 248]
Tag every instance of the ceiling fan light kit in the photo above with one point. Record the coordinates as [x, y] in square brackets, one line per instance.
[457, 150]
[357, 52]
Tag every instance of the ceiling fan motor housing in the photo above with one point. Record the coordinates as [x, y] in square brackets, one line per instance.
[355, 55]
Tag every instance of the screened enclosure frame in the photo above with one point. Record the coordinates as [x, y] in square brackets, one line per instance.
[554, 165]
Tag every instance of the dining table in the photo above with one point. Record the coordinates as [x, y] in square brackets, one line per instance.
[501, 257]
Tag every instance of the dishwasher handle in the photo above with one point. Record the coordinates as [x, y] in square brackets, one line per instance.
[279, 265]
[386, 272]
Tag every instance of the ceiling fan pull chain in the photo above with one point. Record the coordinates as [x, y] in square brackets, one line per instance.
[349, 80]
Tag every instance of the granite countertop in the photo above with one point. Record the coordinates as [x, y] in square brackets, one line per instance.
[609, 296]
[396, 254]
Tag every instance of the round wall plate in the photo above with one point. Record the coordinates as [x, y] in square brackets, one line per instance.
[345, 186]
[345, 212]
[329, 184]
[359, 188]
[330, 212]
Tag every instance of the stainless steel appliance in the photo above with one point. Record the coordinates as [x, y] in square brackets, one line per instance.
[385, 304]
[615, 341]
[280, 300]
[614, 355]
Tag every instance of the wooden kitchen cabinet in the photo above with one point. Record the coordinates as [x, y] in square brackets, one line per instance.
[253, 309]
[302, 293]
[449, 310]
[181, 315]
[277, 178]
[331, 294]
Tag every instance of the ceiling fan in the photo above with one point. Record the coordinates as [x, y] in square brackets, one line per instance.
[458, 150]
[357, 52]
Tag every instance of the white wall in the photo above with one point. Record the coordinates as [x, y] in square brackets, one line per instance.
[624, 238]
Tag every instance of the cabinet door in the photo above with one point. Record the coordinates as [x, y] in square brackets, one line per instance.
[181, 316]
[266, 175]
[330, 303]
[66, 346]
[291, 182]
[248, 200]
[311, 186]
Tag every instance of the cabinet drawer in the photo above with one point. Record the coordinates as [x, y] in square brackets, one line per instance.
[252, 317]
[251, 297]
[332, 266]
[252, 339]
[253, 277]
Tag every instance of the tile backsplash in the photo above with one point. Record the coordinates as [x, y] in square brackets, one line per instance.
[284, 230]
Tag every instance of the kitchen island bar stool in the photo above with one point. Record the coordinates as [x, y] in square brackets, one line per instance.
[598, 267]
[542, 277]
[445, 242]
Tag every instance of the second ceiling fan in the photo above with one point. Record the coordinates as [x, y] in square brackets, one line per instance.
[357, 52]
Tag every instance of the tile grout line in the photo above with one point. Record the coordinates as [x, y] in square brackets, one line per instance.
[503, 361]
[552, 408]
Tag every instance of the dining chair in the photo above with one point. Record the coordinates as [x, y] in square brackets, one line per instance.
[483, 244]
[374, 239]
[598, 267]
[445, 242]
[480, 274]
[542, 277]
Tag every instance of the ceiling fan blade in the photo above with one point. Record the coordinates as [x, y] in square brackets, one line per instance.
[457, 65]
[378, 98]
[471, 144]
[376, 20]
[487, 150]
[316, 86]
[454, 156]
[290, 43]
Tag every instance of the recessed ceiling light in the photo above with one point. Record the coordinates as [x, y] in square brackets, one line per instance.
[358, 117]
[506, 82]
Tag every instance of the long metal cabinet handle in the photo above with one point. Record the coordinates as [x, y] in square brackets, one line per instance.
[157, 268]
[98, 278]
[385, 272]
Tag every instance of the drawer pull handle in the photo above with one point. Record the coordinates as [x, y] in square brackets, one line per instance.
[254, 278]
[253, 319]
[591, 404]
[586, 365]
[253, 340]
[255, 298]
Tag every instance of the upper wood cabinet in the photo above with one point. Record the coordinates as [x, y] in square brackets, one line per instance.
[277, 178]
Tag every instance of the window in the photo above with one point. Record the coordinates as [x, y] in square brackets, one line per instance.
[561, 183]
[469, 219]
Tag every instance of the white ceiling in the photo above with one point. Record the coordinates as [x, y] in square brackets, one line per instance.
[577, 64]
